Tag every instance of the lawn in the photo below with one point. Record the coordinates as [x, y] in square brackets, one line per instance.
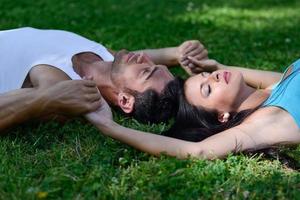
[74, 161]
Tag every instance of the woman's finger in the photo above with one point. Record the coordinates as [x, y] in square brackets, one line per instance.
[191, 66]
[188, 70]
[185, 62]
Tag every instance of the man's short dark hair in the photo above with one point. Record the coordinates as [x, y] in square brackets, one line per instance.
[151, 106]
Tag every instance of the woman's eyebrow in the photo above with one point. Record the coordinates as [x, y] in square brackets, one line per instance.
[201, 86]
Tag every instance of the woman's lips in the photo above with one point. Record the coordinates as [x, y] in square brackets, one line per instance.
[226, 76]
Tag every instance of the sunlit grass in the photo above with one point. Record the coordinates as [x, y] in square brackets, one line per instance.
[237, 18]
[75, 161]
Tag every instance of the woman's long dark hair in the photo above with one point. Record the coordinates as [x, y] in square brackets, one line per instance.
[196, 123]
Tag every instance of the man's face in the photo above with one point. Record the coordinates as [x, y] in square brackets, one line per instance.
[135, 71]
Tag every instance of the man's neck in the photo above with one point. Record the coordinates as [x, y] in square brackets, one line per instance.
[101, 73]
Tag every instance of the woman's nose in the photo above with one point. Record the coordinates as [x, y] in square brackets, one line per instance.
[215, 76]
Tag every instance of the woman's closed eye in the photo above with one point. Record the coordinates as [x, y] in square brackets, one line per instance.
[206, 90]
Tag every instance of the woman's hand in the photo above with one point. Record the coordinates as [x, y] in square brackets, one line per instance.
[191, 48]
[102, 116]
[205, 65]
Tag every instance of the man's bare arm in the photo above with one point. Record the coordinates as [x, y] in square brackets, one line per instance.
[164, 56]
[19, 106]
[171, 56]
[72, 97]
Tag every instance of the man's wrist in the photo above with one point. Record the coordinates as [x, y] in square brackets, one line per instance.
[44, 105]
[173, 56]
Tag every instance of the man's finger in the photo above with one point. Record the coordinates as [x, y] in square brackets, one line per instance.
[194, 53]
[89, 83]
[184, 46]
[91, 90]
[201, 56]
[189, 48]
[94, 97]
[194, 60]
[193, 47]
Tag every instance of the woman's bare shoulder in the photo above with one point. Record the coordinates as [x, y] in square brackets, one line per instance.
[271, 118]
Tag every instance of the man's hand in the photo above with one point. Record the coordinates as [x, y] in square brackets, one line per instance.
[71, 97]
[191, 48]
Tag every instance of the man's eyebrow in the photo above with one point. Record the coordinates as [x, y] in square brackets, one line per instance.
[152, 72]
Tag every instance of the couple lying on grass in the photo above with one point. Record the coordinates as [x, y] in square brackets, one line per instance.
[218, 110]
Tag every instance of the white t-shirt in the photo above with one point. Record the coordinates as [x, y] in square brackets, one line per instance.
[23, 48]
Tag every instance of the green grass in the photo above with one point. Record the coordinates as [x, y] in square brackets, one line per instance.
[74, 161]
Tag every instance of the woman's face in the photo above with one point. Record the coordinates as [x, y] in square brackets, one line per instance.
[215, 91]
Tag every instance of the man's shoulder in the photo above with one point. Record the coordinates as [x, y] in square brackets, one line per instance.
[46, 75]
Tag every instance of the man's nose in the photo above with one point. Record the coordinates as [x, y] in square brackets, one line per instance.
[146, 58]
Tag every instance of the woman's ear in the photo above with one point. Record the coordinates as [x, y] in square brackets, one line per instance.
[223, 117]
[126, 102]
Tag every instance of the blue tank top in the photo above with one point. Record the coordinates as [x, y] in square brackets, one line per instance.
[286, 94]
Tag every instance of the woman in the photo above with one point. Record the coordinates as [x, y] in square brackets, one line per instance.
[245, 118]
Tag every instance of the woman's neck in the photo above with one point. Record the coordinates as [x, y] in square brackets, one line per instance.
[251, 98]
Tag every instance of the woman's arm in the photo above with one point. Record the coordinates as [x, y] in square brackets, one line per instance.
[257, 78]
[216, 146]
[151, 143]
[257, 135]
[253, 77]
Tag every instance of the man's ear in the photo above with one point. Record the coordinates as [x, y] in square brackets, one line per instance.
[126, 102]
[223, 117]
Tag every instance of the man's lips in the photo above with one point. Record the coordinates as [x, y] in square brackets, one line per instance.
[129, 55]
[227, 76]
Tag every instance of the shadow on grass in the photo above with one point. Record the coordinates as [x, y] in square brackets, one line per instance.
[75, 158]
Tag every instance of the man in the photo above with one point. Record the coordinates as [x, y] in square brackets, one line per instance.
[34, 62]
